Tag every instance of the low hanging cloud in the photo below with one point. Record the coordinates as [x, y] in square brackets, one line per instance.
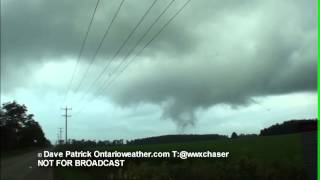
[214, 52]
[242, 55]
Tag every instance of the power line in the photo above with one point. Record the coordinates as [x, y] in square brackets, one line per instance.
[81, 51]
[149, 42]
[99, 46]
[106, 84]
[60, 136]
[121, 46]
[136, 45]
[142, 37]
[127, 39]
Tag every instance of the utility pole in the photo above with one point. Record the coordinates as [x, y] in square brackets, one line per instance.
[66, 115]
[58, 139]
[60, 135]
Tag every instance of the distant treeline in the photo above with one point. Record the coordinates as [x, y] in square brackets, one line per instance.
[90, 143]
[177, 138]
[287, 127]
[293, 126]
[149, 140]
[18, 129]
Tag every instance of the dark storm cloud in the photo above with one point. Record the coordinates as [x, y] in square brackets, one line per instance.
[35, 32]
[215, 52]
[32, 30]
[244, 55]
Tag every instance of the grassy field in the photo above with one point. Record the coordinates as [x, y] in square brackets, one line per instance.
[285, 148]
[263, 155]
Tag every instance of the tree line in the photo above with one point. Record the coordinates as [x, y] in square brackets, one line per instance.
[287, 127]
[18, 129]
[178, 138]
[292, 126]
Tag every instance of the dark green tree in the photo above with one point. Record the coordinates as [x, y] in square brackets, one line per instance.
[19, 129]
[234, 135]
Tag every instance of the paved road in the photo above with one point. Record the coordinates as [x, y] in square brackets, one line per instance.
[24, 167]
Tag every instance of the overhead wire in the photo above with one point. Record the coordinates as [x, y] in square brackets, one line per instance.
[149, 42]
[138, 42]
[105, 68]
[99, 47]
[81, 51]
[107, 84]
[142, 37]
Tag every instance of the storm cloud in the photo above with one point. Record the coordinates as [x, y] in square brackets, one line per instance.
[215, 52]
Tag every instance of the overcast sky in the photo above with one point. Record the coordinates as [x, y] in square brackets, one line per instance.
[218, 67]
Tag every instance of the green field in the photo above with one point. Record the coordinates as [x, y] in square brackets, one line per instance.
[266, 156]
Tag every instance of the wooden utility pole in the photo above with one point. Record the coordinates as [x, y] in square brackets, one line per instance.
[58, 139]
[60, 135]
[66, 115]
